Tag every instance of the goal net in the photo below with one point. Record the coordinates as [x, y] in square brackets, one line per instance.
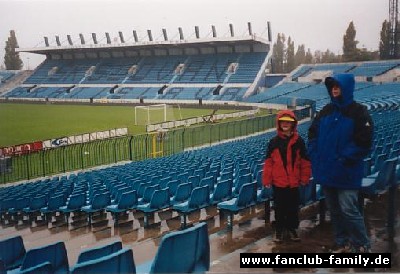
[153, 114]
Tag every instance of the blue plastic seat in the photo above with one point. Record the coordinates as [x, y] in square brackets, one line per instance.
[208, 181]
[20, 204]
[74, 204]
[119, 193]
[307, 193]
[99, 203]
[264, 194]
[118, 262]
[185, 251]
[199, 198]
[53, 205]
[226, 175]
[183, 177]
[159, 200]
[172, 187]
[240, 181]
[142, 187]
[378, 162]
[199, 172]
[36, 204]
[6, 204]
[98, 252]
[127, 201]
[375, 184]
[163, 182]
[246, 198]
[12, 252]
[147, 194]
[56, 254]
[182, 193]
[222, 192]
[241, 170]
[195, 180]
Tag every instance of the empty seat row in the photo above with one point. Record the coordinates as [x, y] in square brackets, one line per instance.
[184, 251]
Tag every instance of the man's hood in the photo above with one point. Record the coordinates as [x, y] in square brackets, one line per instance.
[346, 83]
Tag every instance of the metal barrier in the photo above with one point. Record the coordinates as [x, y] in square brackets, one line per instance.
[130, 148]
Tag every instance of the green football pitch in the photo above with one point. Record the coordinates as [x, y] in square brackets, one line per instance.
[24, 123]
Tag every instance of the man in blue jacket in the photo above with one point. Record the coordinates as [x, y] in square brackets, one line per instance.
[340, 137]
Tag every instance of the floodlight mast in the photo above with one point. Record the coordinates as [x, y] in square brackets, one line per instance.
[394, 35]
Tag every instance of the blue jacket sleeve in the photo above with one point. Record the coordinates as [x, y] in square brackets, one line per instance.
[361, 144]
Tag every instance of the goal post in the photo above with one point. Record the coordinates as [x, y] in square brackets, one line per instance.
[153, 114]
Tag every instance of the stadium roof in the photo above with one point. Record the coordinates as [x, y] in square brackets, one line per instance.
[253, 42]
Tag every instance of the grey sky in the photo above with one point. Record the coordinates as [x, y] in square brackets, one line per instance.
[318, 24]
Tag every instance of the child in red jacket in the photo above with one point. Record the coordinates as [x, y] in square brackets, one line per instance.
[286, 166]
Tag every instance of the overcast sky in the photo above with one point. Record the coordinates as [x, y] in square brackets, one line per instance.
[318, 24]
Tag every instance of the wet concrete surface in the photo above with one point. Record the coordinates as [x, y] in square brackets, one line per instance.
[250, 233]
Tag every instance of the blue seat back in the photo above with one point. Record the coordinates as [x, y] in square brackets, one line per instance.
[55, 202]
[119, 262]
[266, 193]
[160, 198]
[183, 251]
[142, 188]
[242, 170]
[240, 181]
[163, 183]
[38, 202]
[387, 174]
[194, 180]
[247, 195]
[183, 192]
[199, 197]
[199, 172]
[307, 193]
[367, 166]
[128, 200]
[172, 186]
[120, 191]
[98, 252]
[202, 257]
[226, 175]
[208, 181]
[76, 201]
[212, 173]
[21, 203]
[222, 191]
[6, 204]
[56, 254]
[183, 177]
[259, 179]
[378, 162]
[100, 201]
[148, 193]
[12, 251]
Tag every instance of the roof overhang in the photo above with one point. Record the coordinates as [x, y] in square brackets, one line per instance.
[166, 45]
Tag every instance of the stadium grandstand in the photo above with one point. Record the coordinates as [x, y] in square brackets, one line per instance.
[197, 206]
[216, 69]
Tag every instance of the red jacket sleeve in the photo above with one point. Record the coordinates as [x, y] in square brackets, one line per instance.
[267, 172]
